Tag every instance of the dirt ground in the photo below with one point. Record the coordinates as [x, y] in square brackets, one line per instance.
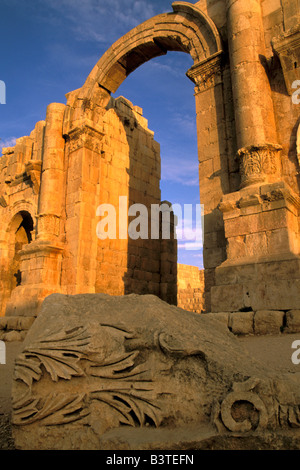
[274, 351]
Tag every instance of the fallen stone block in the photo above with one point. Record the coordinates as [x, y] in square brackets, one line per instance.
[96, 372]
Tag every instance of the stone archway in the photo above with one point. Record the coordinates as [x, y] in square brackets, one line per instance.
[186, 29]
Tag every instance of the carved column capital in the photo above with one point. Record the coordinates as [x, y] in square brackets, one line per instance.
[258, 162]
[206, 74]
[85, 136]
[48, 226]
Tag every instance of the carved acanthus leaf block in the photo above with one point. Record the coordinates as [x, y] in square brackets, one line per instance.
[122, 384]
[258, 161]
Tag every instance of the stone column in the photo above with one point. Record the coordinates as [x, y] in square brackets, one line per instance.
[52, 182]
[259, 152]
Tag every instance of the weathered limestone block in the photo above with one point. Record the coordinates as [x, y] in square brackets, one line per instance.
[268, 322]
[292, 321]
[132, 372]
[221, 316]
[16, 323]
[11, 336]
[241, 323]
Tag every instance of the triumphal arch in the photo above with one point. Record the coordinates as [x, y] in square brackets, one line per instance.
[93, 149]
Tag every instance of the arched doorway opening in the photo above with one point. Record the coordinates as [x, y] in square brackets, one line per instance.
[20, 234]
[166, 97]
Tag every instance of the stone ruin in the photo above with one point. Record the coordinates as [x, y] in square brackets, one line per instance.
[135, 373]
[94, 149]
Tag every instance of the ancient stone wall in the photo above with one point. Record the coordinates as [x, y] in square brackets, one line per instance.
[190, 288]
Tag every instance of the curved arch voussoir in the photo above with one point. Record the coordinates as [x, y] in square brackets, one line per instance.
[186, 29]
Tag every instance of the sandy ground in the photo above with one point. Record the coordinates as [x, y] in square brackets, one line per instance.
[274, 351]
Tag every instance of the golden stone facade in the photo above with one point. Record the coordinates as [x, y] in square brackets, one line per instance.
[94, 149]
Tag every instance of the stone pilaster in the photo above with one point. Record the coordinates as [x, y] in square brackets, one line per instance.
[213, 157]
[261, 271]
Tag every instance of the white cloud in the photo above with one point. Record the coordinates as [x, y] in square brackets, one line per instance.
[186, 122]
[10, 142]
[180, 170]
[99, 21]
[191, 246]
[165, 68]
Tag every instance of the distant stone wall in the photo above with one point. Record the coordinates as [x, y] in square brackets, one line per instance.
[190, 288]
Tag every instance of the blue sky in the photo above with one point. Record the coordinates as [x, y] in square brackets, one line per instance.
[49, 47]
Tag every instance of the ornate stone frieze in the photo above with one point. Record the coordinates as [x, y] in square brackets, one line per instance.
[258, 161]
[206, 74]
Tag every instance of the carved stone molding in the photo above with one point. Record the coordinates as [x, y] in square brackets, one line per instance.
[33, 170]
[40, 246]
[265, 194]
[258, 161]
[85, 136]
[206, 74]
